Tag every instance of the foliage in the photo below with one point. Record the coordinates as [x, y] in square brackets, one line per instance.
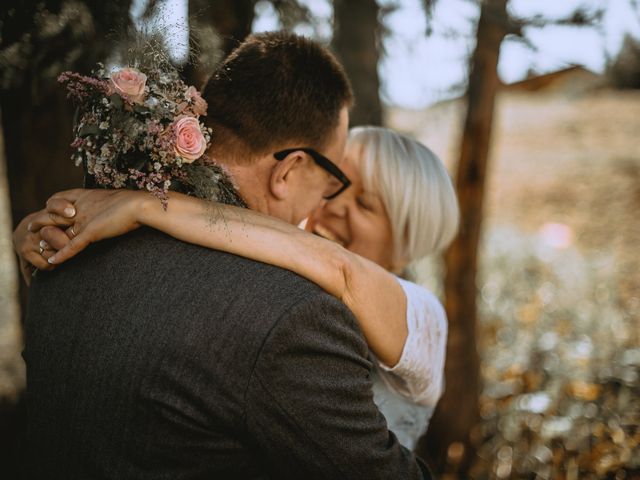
[560, 364]
[40, 39]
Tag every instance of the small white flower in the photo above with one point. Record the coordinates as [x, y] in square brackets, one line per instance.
[151, 102]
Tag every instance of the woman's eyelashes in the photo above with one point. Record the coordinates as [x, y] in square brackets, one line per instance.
[363, 203]
[367, 202]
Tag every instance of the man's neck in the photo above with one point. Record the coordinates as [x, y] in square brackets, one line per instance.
[248, 184]
[224, 189]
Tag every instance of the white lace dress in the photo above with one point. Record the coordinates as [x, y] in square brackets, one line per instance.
[407, 393]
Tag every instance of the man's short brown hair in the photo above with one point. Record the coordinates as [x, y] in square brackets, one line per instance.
[275, 88]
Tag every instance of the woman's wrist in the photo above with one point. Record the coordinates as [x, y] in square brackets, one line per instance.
[143, 206]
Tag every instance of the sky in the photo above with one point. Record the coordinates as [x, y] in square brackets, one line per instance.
[419, 70]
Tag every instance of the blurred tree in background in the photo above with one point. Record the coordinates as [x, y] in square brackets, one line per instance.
[624, 70]
[457, 412]
[358, 45]
[216, 28]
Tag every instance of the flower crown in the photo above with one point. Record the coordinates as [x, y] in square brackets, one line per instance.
[142, 131]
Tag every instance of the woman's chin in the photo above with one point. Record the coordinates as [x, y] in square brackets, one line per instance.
[328, 234]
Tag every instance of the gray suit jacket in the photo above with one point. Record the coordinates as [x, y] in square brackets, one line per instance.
[148, 358]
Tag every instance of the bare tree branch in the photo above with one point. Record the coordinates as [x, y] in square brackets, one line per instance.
[635, 6]
[581, 17]
[523, 40]
[428, 6]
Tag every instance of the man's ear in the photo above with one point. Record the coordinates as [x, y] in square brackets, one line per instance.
[283, 174]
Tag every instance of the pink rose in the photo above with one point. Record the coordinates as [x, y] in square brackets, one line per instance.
[190, 143]
[199, 103]
[129, 83]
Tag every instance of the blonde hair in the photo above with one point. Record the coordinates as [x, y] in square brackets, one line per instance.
[414, 187]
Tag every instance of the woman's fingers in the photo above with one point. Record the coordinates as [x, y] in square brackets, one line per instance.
[38, 259]
[71, 196]
[61, 207]
[55, 237]
[43, 218]
[78, 243]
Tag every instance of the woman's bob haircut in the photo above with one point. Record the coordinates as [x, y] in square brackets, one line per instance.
[414, 187]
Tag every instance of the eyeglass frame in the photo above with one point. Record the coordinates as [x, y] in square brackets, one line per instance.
[323, 162]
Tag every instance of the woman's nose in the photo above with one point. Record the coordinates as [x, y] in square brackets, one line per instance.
[337, 206]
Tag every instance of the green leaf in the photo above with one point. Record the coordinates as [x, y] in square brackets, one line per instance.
[90, 129]
[141, 109]
[117, 101]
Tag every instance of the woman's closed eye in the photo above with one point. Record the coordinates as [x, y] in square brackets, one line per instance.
[364, 203]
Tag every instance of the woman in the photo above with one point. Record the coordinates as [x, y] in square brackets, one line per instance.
[401, 207]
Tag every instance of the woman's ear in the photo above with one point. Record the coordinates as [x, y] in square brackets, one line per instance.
[283, 175]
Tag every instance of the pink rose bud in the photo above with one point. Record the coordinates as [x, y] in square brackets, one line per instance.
[190, 143]
[199, 103]
[129, 83]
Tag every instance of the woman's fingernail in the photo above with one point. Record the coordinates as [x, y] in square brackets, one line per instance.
[44, 244]
[70, 212]
[52, 260]
[29, 227]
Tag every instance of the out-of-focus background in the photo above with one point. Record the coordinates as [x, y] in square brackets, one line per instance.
[535, 109]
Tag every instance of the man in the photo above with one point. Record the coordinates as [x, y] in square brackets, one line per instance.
[150, 358]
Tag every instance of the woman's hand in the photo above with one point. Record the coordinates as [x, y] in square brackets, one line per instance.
[97, 214]
[32, 251]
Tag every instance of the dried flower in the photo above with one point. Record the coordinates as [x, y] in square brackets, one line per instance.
[199, 104]
[142, 130]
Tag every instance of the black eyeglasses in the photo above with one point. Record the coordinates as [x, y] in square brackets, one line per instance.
[326, 164]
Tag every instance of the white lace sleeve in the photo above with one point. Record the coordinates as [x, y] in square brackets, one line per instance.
[419, 375]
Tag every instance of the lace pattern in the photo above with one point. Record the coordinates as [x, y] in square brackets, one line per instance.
[408, 392]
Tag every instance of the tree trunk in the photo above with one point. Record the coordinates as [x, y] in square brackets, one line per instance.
[35, 113]
[36, 116]
[216, 28]
[357, 43]
[457, 411]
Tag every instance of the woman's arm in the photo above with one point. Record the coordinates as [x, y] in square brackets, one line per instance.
[419, 375]
[373, 295]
